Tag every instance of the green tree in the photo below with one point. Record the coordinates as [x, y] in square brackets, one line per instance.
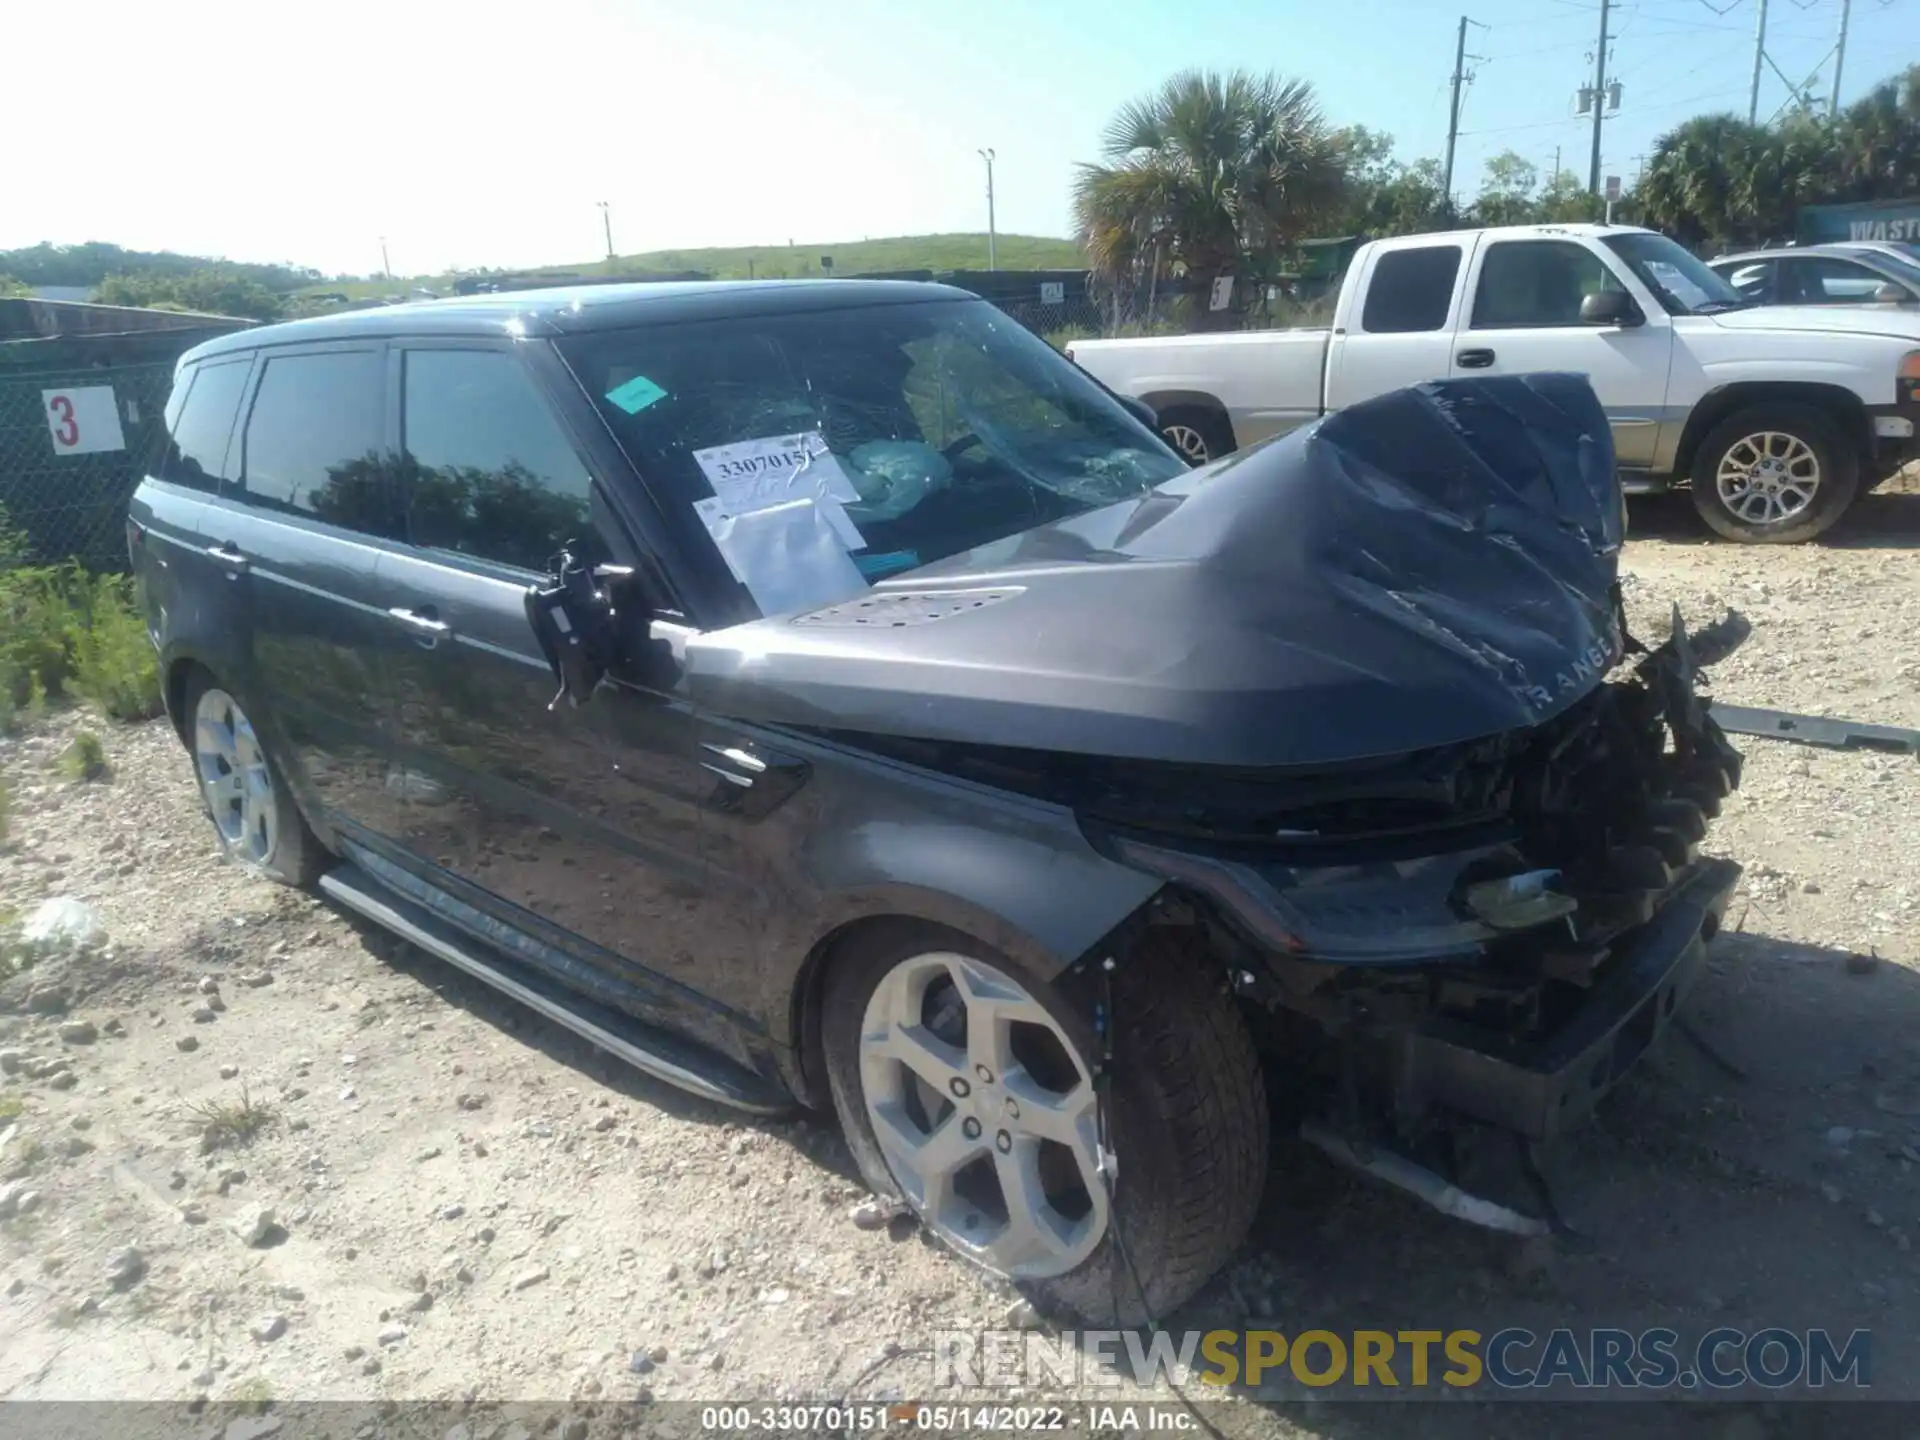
[1211, 175]
[1385, 196]
[1506, 191]
[10, 286]
[1698, 184]
[215, 290]
[1877, 141]
[1565, 200]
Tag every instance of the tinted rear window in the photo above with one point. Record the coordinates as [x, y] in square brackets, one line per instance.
[1411, 290]
[314, 439]
[200, 422]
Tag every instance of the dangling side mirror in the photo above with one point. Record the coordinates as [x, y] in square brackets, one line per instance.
[573, 617]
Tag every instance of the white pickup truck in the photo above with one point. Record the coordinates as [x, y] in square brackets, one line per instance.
[1776, 417]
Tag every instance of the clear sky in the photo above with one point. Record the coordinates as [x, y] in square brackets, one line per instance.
[484, 133]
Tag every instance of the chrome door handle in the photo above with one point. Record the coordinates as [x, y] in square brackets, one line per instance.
[428, 627]
[227, 556]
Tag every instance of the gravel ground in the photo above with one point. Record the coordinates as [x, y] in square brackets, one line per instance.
[463, 1201]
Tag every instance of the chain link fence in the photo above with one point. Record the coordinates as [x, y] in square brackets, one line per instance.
[72, 442]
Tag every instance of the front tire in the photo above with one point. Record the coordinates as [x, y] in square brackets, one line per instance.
[253, 812]
[1774, 476]
[967, 1087]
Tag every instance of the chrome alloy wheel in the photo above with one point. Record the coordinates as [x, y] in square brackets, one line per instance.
[986, 1115]
[1191, 444]
[1768, 477]
[234, 777]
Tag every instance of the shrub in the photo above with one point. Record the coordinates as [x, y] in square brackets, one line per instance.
[63, 630]
[114, 664]
[85, 758]
[36, 629]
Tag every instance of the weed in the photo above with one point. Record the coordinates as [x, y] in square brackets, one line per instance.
[114, 664]
[36, 624]
[231, 1123]
[62, 629]
[10, 1108]
[26, 1156]
[85, 758]
[255, 1391]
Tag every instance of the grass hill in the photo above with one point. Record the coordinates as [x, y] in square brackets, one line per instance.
[850, 257]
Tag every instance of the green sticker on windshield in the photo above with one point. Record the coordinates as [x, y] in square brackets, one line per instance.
[635, 395]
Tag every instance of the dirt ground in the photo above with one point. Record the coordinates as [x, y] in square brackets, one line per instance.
[467, 1202]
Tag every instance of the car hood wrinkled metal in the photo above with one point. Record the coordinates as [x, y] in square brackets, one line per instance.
[1429, 567]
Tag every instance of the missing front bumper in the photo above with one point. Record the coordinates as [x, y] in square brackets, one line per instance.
[1538, 1089]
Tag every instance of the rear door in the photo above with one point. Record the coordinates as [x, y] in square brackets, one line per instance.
[188, 600]
[1828, 280]
[299, 530]
[578, 826]
[1525, 316]
[1403, 331]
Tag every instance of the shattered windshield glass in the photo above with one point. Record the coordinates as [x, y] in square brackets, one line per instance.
[953, 425]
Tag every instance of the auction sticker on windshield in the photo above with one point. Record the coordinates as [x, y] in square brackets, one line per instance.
[752, 474]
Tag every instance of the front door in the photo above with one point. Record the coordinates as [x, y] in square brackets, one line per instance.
[1524, 315]
[579, 826]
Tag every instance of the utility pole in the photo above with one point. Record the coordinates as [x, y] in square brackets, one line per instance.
[992, 261]
[1599, 98]
[1453, 115]
[606, 221]
[1556, 165]
[386, 265]
[1759, 54]
[1839, 60]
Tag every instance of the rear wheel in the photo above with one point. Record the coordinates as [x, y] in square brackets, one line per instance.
[1774, 475]
[1199, 435]
[967, 1087]
[244, 794]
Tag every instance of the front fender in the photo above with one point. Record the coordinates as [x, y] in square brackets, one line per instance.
[868, 838]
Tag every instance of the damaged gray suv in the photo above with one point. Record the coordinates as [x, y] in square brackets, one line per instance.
[826, 693]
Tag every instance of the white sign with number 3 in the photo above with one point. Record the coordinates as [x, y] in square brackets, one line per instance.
[83, 421]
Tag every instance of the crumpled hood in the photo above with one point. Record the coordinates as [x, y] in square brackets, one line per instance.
[1836, 319]
[1432, 566]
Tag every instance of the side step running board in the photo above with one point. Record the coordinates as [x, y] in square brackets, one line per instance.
[662, 1056]
[1815, 729]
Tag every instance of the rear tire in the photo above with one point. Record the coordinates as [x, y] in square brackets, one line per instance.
[1199, 435]
[1774, 475]
[242, 790]
[1187, 1107]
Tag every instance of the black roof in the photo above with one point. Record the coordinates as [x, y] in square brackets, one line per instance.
[573, 309]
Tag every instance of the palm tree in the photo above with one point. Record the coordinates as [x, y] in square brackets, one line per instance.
[1878, 138]
[1698, 183]
[1210, 176]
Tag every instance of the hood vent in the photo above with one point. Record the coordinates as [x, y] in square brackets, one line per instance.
[894, 610]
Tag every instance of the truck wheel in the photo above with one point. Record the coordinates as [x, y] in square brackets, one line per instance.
[252, 810]
[1199, 435]
[966, 1087]
[1773, 476]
